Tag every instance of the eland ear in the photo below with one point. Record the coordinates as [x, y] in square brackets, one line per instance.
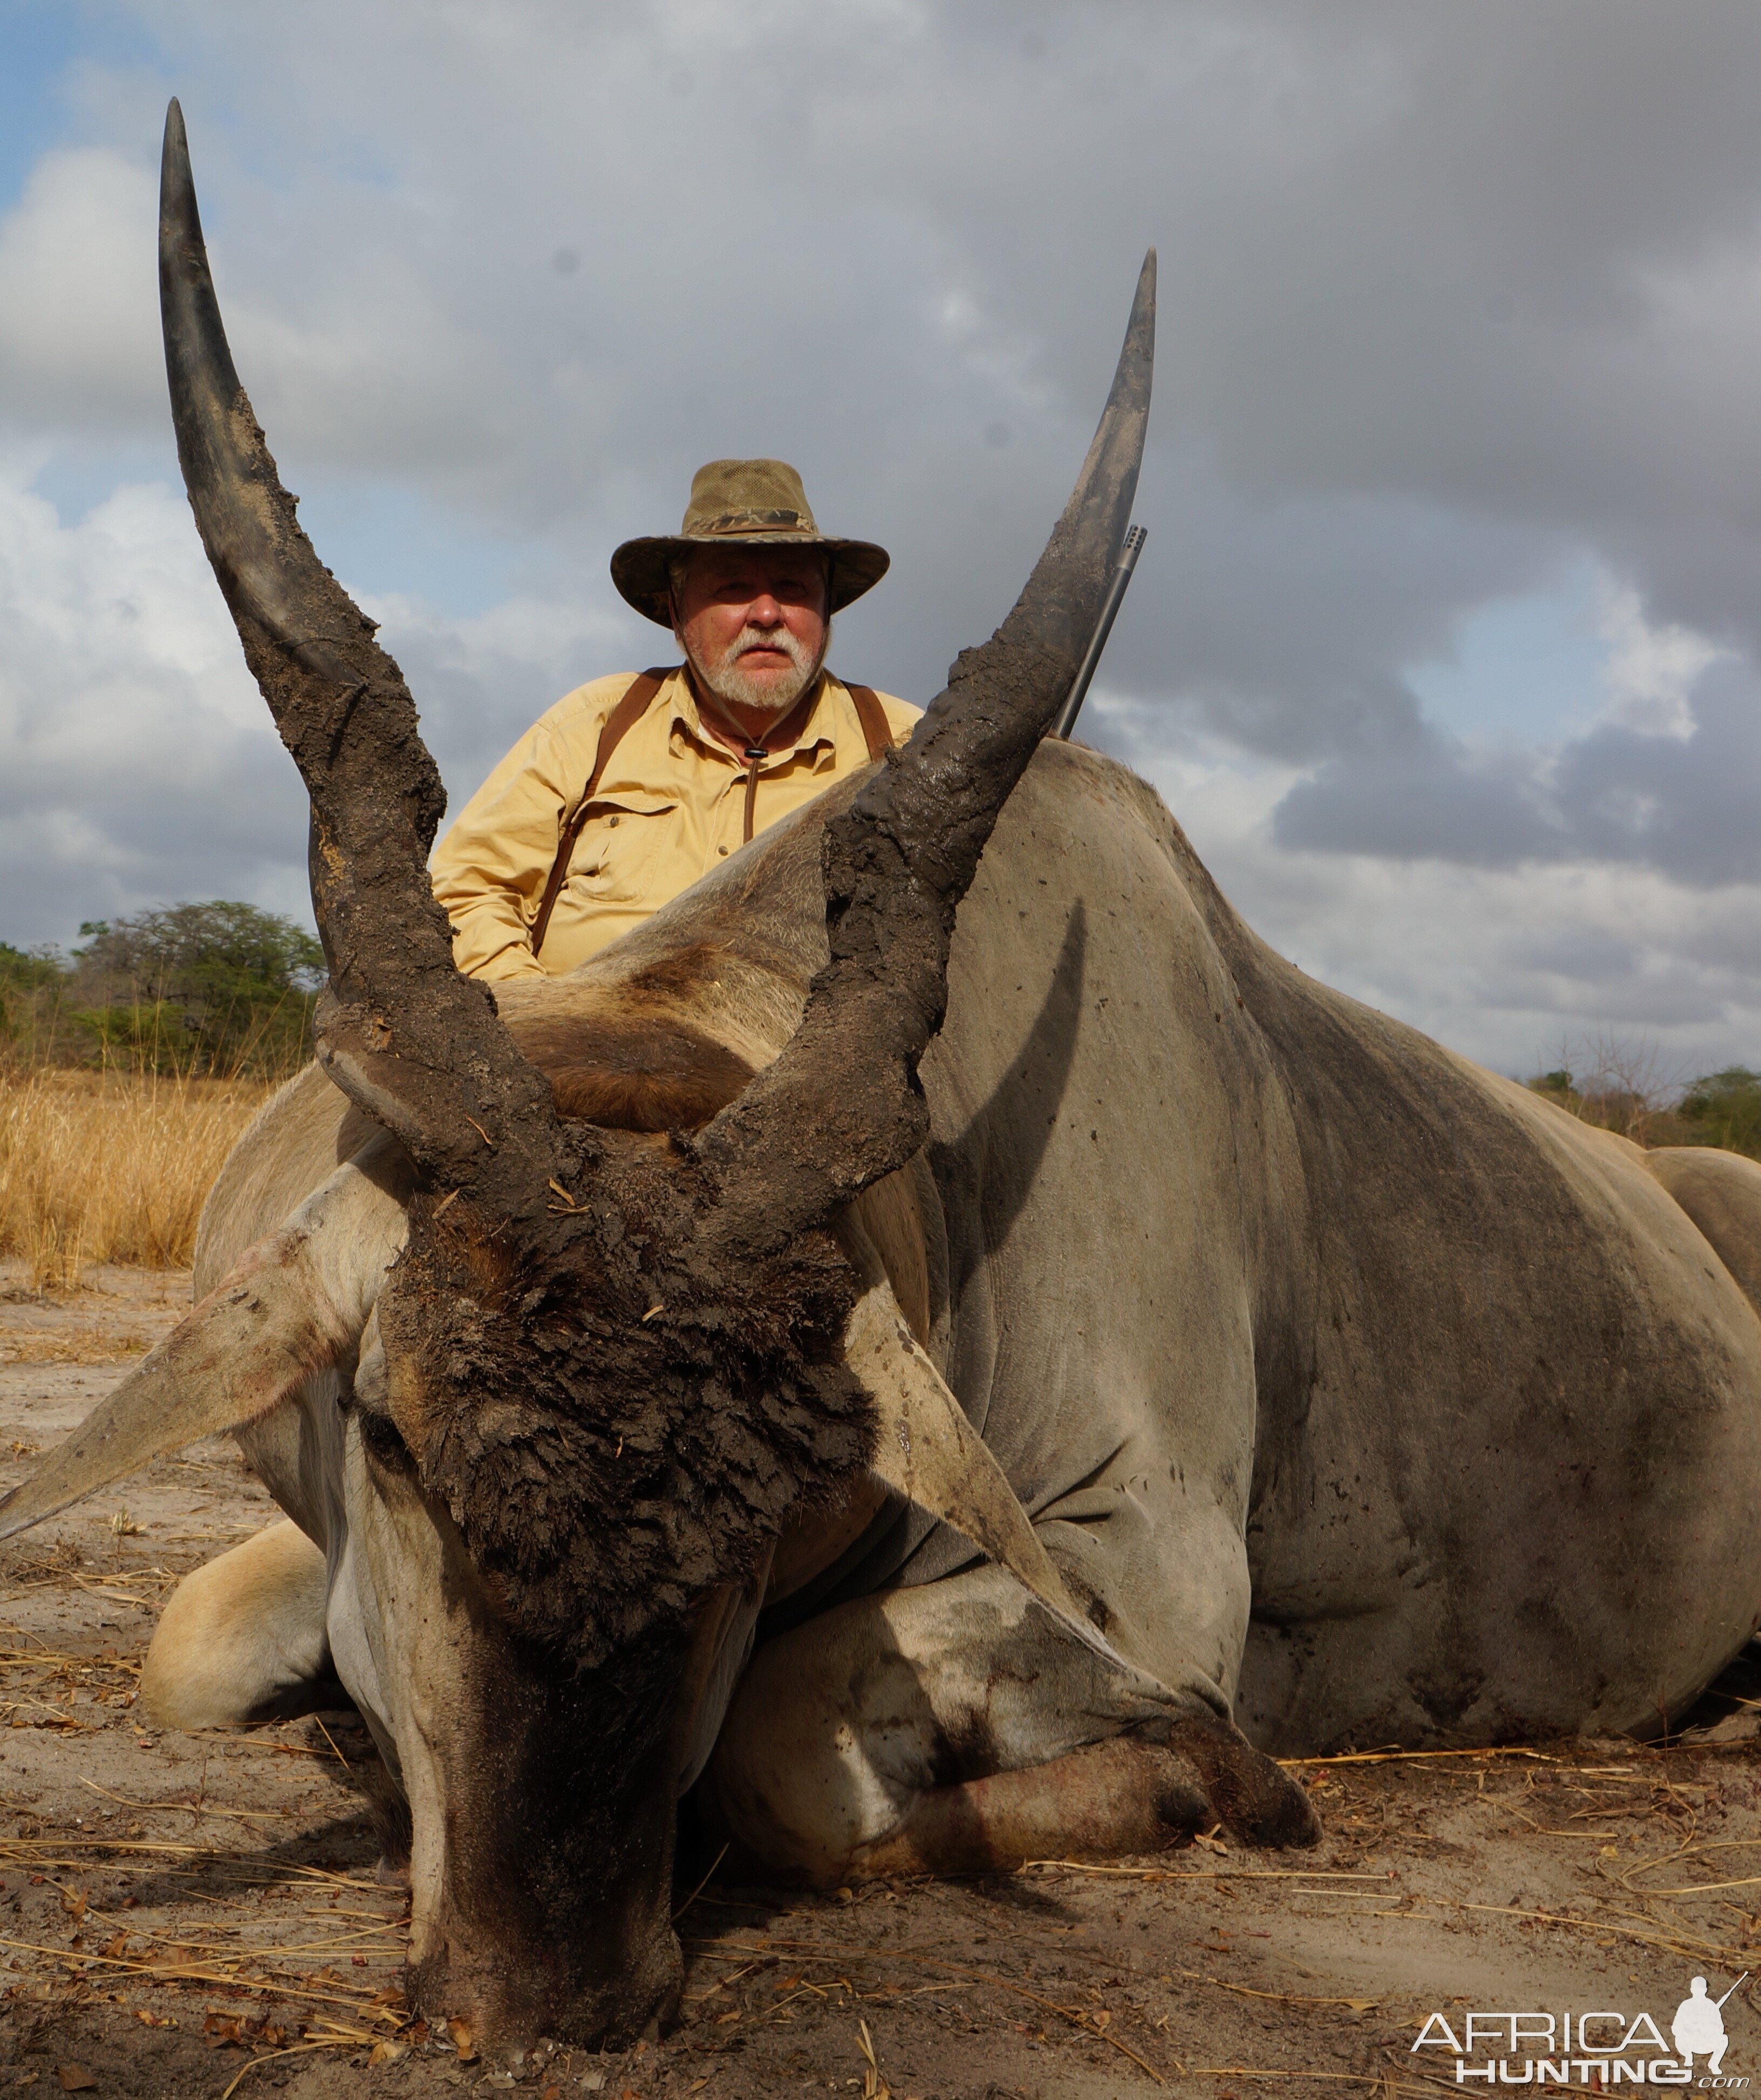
[930, 1454]
[295, 1304]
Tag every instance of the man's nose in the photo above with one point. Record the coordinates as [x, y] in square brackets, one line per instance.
[765, 611]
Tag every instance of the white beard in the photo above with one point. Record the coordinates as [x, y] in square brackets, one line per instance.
[734, 687]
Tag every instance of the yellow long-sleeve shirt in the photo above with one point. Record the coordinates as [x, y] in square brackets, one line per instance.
[669, 806]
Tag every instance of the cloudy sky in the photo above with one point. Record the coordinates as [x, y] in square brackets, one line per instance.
[1444, 647]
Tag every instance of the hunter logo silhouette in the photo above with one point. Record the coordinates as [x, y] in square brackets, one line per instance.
[1698, 2026]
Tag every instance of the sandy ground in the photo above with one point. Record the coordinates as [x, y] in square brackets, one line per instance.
[185, 1915]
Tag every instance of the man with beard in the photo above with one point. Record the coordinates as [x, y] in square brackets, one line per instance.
[631, 787]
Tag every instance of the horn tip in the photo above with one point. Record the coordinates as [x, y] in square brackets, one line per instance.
[176, 182]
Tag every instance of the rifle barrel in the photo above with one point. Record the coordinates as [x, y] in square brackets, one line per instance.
[1109, 606]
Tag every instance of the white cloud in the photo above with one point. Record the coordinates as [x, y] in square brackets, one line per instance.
[1502, 964]
[479, 681]
[1650, 672]
[135, 755]
[79, 294]
[138, 763]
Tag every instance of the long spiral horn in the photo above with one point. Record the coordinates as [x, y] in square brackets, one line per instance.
[842, 1105]
[417, 1046]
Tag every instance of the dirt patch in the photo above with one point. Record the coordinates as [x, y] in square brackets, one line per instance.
[115, 1313]
[177, 1913]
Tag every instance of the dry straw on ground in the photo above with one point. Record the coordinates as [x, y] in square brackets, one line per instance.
[110, 1167]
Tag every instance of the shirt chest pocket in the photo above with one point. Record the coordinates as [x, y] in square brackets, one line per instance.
[622, 850]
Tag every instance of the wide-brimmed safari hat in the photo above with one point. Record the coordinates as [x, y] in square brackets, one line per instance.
[744, 503]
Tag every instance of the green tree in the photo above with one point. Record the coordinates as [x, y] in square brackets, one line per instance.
[1724, 1109]
[29, 969]
[209, 988]
[32, 983]
[1560, 1086]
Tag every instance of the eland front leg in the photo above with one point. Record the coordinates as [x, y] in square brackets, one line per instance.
[243, 1639]
[958, 1728]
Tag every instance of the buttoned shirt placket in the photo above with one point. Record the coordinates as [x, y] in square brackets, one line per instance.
[746, 768]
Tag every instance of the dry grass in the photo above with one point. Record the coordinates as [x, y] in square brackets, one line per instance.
[71, 1345]
[105, 1167]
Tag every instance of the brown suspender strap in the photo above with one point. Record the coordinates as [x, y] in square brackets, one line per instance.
[877, 731]
[618, 724]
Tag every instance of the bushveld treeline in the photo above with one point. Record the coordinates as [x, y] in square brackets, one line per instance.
[128, 1068]
[214, 990]
[1722, 1109]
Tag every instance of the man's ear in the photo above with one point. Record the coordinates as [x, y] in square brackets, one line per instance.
[674, 609]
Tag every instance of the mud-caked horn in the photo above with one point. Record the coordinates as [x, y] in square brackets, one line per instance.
[411, 1041]
[842, 1105]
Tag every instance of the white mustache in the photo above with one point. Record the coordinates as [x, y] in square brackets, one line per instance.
[750, 638]
[773, 691]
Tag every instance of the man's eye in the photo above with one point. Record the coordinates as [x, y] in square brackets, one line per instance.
[791, 590]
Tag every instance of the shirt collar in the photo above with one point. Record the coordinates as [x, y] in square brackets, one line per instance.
[820, 728]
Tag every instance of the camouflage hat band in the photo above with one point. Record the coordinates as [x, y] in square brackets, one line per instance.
[760, 521]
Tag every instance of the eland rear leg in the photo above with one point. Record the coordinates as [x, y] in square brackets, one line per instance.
[243, 1639]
